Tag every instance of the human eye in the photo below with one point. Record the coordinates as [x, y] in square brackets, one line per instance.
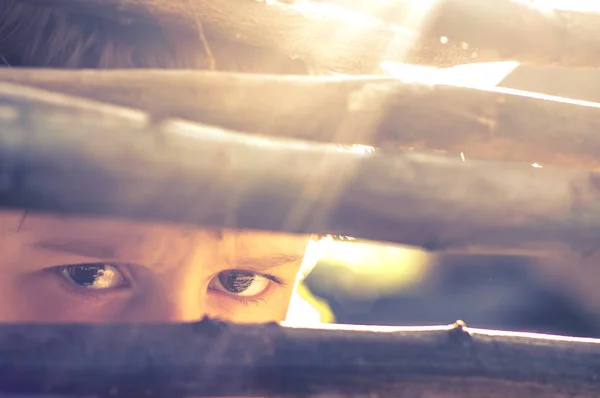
[95, 276]
[244, 284]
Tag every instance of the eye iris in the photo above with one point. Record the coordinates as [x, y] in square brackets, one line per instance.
[93, 276]
[86, 275]
[236, 281]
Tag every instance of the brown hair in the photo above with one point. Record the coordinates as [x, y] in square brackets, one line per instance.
[36, 36]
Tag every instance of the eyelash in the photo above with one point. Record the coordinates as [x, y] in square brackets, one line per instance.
[92, 293]
[249, 301]
[272, 278]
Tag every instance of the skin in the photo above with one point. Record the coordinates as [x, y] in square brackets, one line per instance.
[148, 272]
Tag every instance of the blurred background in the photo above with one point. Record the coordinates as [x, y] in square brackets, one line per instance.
[379, 284]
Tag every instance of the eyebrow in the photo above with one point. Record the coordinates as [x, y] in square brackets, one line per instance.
[267, 262]
[79, 248]
[100, 251]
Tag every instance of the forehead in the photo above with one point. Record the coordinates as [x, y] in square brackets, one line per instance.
[35, 226]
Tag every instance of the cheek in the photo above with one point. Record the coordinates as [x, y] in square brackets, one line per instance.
[11, 301]
[14, 294]
[40, 298]
[23, 300]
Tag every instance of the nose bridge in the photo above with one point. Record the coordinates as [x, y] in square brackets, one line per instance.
[175, 290]
[170, 298]
[166, 305]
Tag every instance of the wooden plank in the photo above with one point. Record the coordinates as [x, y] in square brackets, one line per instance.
[501, 124]
[210, 359]
[493, 30]
[557, 81]
[71, 156]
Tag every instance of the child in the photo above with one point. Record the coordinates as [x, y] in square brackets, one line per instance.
[78, 269]
[64, 269]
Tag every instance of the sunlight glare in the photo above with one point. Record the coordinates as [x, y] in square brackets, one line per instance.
[331, 10]
[567, 5]
[479, 75]
[305, 309]
[355, 20]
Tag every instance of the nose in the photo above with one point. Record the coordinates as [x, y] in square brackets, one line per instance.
[177, 300]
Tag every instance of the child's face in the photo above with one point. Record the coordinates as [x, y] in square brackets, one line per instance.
[59, 269]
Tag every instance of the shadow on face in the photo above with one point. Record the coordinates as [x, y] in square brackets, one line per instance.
[77, 269]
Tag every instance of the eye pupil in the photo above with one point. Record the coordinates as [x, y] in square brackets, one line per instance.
[236, 281]
[85, 275]
[94, 275]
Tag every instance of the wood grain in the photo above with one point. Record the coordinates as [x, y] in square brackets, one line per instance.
[210, 359]
[67, 155]
[497, 124]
